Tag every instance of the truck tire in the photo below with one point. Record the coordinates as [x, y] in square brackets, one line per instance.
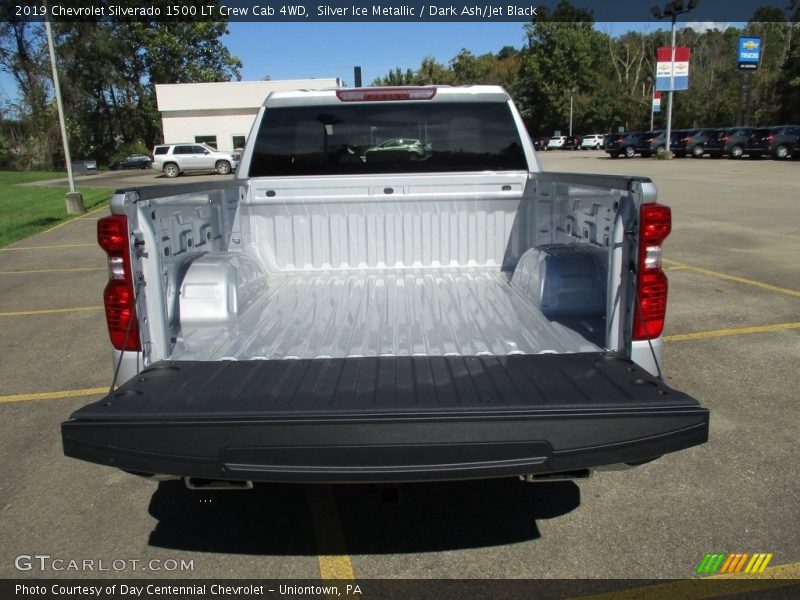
[737, 151]
[171, 170]
[223, 167]
[630, 152]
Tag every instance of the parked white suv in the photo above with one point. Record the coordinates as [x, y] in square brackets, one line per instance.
[556, 141]
[174, 159]
[594, 141]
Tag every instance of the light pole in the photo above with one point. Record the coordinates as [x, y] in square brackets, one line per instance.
[672, 9]
[571, 96]
[74, 199]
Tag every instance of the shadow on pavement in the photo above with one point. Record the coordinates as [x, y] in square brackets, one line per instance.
[275, 519]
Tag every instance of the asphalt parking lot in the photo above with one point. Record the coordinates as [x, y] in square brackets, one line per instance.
[733, 342]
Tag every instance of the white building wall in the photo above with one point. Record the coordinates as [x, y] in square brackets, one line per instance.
[184, 127]
[221, 109]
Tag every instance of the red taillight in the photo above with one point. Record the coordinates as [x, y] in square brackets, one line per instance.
[770, 138]
[379, 94]
[112, 234]
[118, 297]
[655, 224]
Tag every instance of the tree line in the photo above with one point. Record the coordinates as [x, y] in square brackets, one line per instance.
[108, 71]
[611, 78]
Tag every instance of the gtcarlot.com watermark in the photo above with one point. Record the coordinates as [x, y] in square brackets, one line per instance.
[48, 563]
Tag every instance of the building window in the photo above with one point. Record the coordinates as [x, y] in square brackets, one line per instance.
[238, 142]
[209, 140]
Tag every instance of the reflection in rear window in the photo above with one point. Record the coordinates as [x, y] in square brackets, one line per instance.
[409, 137]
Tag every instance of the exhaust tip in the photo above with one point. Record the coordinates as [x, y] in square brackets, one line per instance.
[562, 476]
[199, 483]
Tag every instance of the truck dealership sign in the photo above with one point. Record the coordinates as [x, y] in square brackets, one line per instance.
[672, 76]
[749, 52]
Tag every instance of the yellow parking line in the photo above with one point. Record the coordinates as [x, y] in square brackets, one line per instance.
[708, 587]
[703, 335]
[50, 247]
[53, 395]
[91, 212]
[334, 563]
[760, 284]
[53, 270]
[48, 311]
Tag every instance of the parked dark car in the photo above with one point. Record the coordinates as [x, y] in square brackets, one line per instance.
[778, 142]
[134, 161]
[624, 144]
[728, 142]
[651, 142]
[573, 142]
[685, 142]
[540, 143]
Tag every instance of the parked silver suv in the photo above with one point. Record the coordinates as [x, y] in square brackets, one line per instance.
[174, 159]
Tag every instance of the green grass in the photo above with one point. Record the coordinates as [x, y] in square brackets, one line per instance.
[25, 210]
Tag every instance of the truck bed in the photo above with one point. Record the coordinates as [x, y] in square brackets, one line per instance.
[425, 312]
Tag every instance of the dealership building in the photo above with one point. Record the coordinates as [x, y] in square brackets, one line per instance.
[220, 114]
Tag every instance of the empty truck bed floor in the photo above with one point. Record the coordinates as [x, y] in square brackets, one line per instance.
[425, 312]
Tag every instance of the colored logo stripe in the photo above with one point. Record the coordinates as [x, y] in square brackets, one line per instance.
[711, 562]
[734, 562]
[758, 563]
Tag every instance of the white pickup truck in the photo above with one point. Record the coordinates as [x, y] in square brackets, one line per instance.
[347, 309]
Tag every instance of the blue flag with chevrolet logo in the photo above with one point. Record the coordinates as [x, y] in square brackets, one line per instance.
[749, 52]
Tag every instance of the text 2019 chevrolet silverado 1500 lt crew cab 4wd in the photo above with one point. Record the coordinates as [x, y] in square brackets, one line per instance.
[340, 312]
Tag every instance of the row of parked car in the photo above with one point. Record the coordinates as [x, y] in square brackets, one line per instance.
[174, 159]
[779, 142]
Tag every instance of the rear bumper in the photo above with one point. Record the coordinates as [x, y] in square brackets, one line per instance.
[384, 450]
[386, 419]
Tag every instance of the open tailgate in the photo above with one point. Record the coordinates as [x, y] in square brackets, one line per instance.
[386, 419]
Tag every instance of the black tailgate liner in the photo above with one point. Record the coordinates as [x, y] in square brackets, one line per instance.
[387, 418]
